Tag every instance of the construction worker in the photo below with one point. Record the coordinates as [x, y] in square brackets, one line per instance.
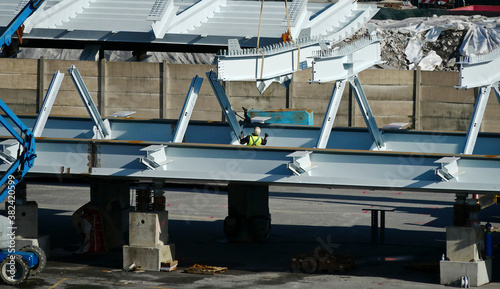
[254, 139]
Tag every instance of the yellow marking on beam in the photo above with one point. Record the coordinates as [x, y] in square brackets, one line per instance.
[58, 283]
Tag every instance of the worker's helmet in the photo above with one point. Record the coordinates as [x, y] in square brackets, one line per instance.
[256, 131]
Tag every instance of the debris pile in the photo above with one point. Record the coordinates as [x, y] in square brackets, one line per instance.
[433, 43]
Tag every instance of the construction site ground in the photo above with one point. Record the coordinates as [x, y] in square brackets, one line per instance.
[303, 220]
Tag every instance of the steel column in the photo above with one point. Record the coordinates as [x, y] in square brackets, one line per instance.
[331, 113]
[224, 104]
[367, 112]
[102, 127]
[187, 110]
[50, 97]
[477, 118]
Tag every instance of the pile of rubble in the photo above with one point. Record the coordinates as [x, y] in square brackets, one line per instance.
[434, 43]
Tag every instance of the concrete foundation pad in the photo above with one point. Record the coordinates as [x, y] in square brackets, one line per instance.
[463, 243]
[42, 242]
[148, 258]
[27, 220]
[479, 272]
[148, 229]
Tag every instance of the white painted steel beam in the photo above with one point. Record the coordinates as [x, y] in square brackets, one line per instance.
[347, 61]
[187, 110]
[195, 15]
[476, 120]
[266, 165]
[55, 15]
[341, 20]
[331, 113]
[479, 70]
[225, 105]
[266, 64]
[102, 127]
[366, 111]
[47, 104]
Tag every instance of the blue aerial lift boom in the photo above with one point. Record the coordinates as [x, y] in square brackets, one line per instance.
[15, 266]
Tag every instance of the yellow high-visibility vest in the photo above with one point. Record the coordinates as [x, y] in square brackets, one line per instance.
[254, 140]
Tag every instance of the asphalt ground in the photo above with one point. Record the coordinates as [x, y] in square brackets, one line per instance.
[303, 220]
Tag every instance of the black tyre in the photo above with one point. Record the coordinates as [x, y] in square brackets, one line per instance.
[259, 228]
[233, 226]
[42, 258]
[20, 266]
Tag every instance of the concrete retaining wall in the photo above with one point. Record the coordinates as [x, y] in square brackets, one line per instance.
[158, 90]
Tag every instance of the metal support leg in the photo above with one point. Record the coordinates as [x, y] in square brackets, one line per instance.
[382, 227]
[248, 217]
[367, 112]
[159, 200]
[331, 113]
[374, 226]
[48, 101]
[187, 110]
[224, 104]
[477, 118]
[460, 210]
[103, 129]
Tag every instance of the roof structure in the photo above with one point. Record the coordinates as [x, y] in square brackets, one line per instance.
[166, 25]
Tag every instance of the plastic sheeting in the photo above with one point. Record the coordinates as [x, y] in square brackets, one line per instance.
[480, 40]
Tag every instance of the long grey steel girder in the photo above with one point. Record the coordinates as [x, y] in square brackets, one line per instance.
[162, 131]
[266, 165]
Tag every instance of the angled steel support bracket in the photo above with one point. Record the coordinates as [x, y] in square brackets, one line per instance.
[331, 113]
[187, 110]
[476, 120]
[224, 104]
[162, 14]
[379, 143]
[479, 71]
[301, 163]
[156, 157]
[102, 128]
[48, 102]
[449, 168]
[343, 64]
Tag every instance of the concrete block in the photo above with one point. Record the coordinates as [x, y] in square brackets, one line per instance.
[42, 241]
[464, 243]
[26, 220]
[479, 272]
[148, 258]
[148, 229]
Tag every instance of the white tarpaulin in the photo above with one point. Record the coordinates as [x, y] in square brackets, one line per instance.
[413, 50]
[480, 40]
[430, 61]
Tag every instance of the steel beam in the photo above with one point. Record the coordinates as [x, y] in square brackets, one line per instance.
[187, 110]
[102, 127]
[224, 104]
[479, 70]
[264, 165]
[364, 106]
[331, 113]
[48, 101]
[477, 118]
[342, 63]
